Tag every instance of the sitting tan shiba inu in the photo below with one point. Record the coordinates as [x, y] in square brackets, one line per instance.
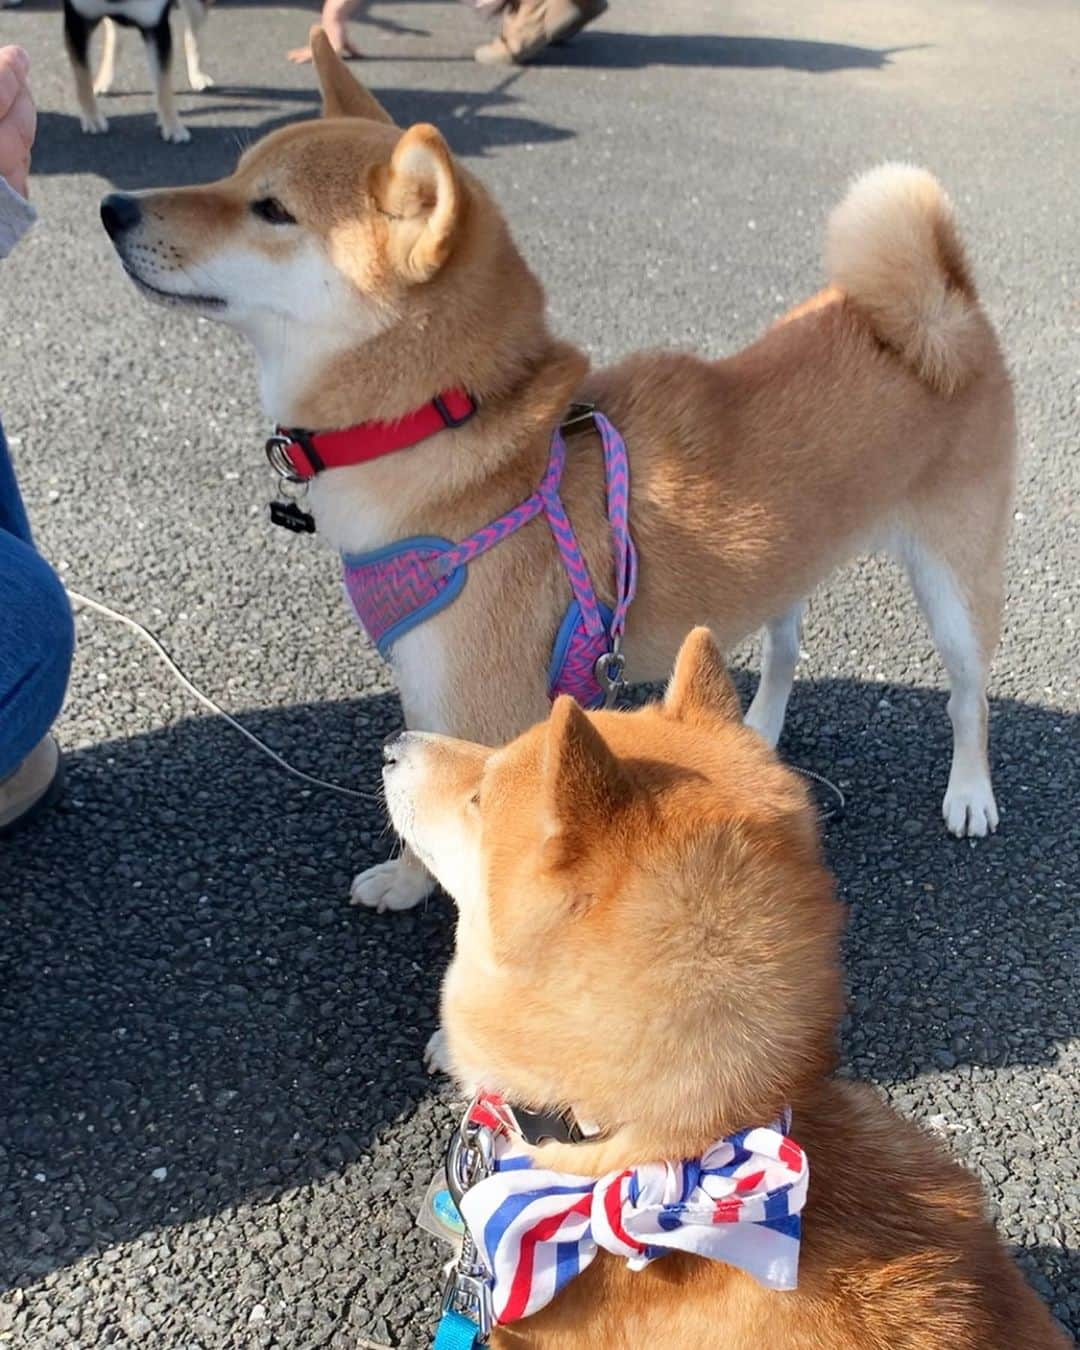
[374, 274]
[648, 941]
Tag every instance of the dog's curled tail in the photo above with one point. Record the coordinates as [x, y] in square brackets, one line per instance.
[892, 245]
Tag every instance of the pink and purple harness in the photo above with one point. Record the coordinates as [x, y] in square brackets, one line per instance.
[394, 588]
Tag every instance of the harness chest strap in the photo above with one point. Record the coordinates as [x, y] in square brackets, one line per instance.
[397, 587]
[402, 585]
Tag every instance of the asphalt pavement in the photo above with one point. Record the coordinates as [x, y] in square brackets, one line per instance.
[215, 1125]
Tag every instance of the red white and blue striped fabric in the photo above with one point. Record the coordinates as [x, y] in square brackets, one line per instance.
[740, 1203]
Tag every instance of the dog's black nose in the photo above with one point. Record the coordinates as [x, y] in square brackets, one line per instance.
[119, 213]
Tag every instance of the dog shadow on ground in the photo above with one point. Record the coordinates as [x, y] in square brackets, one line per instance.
[957, 951]
[605, 50]
[132, 156]
[183, 985]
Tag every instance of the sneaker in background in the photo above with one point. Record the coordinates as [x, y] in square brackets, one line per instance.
[35, 785]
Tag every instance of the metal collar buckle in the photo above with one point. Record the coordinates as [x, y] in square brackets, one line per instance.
[282, 465]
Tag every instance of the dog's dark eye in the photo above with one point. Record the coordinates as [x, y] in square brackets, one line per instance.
[272, 211]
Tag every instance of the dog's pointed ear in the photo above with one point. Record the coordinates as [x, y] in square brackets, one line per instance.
[585, 786]
[343, 95]
[700, 689]
[419, 193]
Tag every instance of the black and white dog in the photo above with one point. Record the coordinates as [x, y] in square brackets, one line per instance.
[151, 18]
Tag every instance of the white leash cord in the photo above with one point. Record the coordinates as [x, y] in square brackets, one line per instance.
[208, 702]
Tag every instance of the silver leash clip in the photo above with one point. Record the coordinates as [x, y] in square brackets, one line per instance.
[609, 672]
[469, 1159]
[470, 1295]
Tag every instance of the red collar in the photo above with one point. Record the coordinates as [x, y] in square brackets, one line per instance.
[300, 455]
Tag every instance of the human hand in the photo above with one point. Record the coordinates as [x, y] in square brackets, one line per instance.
[18, 118]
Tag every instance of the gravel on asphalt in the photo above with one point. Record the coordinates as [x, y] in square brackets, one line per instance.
[215, 1125]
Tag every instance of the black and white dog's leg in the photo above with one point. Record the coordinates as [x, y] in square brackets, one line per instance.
[159, 55]
[194, 18]
[107, 70]
[77, 31]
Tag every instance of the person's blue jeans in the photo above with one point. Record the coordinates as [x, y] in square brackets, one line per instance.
[37, 634]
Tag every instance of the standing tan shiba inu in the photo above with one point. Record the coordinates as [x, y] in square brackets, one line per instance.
[648, 951]
[371, 272]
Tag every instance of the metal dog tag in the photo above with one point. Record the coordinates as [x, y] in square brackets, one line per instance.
[439, 1215]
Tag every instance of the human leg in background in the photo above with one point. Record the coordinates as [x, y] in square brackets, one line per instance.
[335, 15]
[531, 25]
[37, 640]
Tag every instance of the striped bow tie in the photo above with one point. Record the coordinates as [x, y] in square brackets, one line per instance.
[536, 1229]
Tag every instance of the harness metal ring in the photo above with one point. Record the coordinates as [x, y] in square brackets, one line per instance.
[279, 460]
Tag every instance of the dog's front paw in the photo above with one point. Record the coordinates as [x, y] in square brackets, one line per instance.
[969, 808]
[201, 82]
[94, 124]
[437, 1053]
[398, 884]
[175, 133]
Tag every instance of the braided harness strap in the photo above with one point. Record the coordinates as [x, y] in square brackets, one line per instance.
[394, 589]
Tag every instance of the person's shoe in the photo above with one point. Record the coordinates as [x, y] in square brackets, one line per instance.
[35, 785]
[568, 18]
[534, 25]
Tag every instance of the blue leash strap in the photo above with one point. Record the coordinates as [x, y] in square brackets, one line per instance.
[457, 1332]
